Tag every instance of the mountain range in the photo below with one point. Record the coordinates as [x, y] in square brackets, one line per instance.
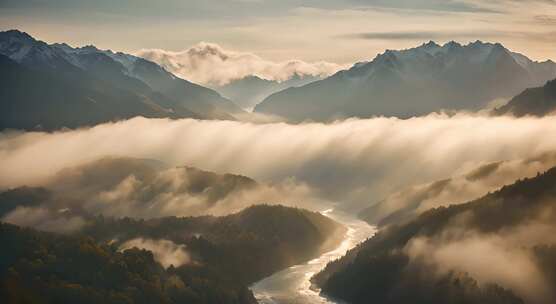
[50, 86]
[414, 82]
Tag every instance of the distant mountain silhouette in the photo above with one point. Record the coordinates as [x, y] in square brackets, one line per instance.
[250, 91]
[53, 86]
[414, 82]
[538, 101]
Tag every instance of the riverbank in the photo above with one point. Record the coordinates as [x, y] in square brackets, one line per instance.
[293, 285]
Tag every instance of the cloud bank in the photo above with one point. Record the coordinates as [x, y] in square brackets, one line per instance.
[354, 162]
[210, 64]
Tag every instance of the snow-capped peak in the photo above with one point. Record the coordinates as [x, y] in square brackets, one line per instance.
[16, 44]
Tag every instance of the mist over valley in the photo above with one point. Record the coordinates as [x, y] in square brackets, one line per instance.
[277, 152]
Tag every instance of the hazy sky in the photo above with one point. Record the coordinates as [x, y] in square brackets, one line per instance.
[340, 31]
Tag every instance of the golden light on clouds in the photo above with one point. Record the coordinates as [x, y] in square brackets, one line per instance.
[330, 30]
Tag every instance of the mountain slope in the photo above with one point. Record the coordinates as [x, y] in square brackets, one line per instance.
[409, 202]
[84, 73]
[413, 82]
[185, 94]
[538, 101]
[49, 99]
[454, 254]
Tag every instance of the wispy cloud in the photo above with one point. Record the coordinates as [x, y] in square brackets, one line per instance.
[427, 35]
[545, 19]
[427, 5]
[165, 252]
[312, 27]
[44, 219]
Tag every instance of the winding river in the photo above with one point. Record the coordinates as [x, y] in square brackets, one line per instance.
[292, 285]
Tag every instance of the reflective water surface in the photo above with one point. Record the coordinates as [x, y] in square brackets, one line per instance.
[292, 285]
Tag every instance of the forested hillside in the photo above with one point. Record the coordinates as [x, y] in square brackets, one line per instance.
[459, 254]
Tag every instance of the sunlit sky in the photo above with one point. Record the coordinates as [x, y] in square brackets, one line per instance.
[339, 31]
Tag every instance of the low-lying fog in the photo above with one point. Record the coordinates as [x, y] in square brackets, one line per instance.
[354, 161]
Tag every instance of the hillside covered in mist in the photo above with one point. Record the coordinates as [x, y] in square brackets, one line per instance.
[129, 187]
[407, 203]
[496, 249]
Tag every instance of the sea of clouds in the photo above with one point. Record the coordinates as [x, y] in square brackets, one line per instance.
[355, 161]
